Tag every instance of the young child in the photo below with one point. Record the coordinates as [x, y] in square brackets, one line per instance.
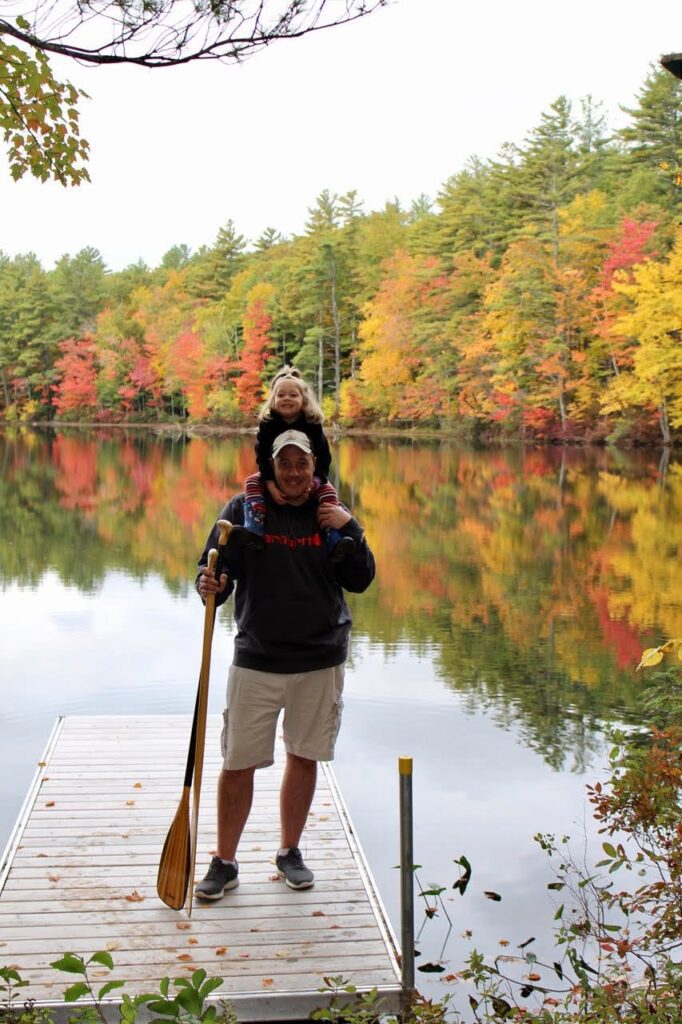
[291, 405]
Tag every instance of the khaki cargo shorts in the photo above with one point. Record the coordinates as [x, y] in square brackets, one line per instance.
[312, 704]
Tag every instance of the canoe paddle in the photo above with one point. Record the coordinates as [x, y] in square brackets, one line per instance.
[178, 857]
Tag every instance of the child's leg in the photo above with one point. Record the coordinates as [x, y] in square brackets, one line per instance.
[338, 547]
[254, 504]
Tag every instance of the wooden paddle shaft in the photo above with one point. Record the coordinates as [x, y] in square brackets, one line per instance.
[202, 704]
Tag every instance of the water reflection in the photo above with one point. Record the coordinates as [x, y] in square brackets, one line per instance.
[514, 592]
[530, 579]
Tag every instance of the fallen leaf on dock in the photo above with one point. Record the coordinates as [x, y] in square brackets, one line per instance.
[41, 855]
[130, 803]
[245, 956]
[50, 803]
[267, 981]
[138, 785]
[183, 926]
[54, 878]
[113, 945]
[221, 951]
[192, 941]
[185, 956]
[134, 897]
[42, 764]
[282, 954]
[318, 913]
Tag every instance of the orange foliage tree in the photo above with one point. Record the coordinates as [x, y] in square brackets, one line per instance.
[256, 348]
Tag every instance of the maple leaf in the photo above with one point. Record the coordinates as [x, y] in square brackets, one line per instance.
[134, 897]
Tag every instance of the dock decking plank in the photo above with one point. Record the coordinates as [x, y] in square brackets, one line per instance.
[79, 875]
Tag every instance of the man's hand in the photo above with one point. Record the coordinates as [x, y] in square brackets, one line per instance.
[208, 584]
[332, 516]
[275, 492]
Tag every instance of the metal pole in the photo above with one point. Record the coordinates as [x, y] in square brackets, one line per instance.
[406, 873]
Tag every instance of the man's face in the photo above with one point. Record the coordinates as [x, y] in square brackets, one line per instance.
[294, 474]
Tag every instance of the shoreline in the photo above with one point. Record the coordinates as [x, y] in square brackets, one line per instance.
[336, 433]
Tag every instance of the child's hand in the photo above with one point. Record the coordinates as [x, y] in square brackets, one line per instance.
[275, 492]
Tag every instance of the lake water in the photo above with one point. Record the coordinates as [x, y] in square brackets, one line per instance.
[515, 591]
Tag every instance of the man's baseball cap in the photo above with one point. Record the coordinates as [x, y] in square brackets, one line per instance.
[295, 437]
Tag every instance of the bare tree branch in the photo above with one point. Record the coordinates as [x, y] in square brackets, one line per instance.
[167, 33]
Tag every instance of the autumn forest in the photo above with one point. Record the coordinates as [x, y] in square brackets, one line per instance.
[539, 296]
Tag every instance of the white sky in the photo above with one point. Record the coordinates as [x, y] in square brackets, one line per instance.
[391, 106]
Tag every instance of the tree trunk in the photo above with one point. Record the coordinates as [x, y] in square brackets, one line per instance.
[663, 420]
[320, 360]
[562, 408]
[555, 236]
[336, 320]
[5, 389]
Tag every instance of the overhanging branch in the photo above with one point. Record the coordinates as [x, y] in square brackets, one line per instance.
[168, 33]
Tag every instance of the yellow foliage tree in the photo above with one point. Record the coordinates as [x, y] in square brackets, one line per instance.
[655, 324]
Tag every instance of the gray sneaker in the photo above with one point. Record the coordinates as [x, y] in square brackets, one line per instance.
[219, 877]
[291, 868]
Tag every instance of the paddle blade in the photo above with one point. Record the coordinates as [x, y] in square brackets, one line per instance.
[174, 865]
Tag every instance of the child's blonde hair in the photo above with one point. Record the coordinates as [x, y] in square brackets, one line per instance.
[311, 407]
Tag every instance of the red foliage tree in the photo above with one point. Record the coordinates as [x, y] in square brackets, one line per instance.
[76, 390]
[257, 346]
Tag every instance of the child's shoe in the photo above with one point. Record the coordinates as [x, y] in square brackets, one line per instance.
[240, 538]
[339, 547]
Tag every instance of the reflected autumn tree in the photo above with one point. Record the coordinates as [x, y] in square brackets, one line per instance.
[531, 579]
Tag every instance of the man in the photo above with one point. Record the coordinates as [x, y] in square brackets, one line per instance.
[289, 653]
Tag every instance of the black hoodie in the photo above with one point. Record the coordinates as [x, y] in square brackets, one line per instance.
[289, 606]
